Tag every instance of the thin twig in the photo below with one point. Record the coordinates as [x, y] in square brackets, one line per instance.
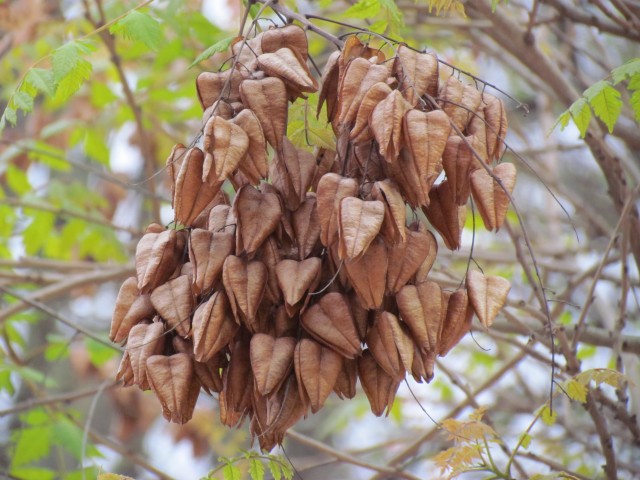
[345, 457]
[60, 318]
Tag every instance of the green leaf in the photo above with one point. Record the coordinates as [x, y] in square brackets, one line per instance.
[57, 348]
[605, 101]
[256, 469]
[274, 467]
[43, 80]
[34, 236]
[634, 82]
[23, 101]
[581, 115]
[576, 391]
[393, 12]
[65, 58]
[379, 27]
[586, 351]
[626, 70]
[33, 472]
[31, 444]
[220, 46]
[10, 115]
[17, 180]
[525, 440]
[549, 417]
[231, 472]
[69, 436]
[634, 101]
[6, 384]
[99, 354]
[285, 467]
[72, 82]
[364, 9]
[139, 27]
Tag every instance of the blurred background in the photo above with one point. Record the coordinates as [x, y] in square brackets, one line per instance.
[82, 157]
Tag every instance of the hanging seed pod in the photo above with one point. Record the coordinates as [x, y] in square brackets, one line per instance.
[491, 198]
[172, 379]
[330, 322]
[131, 308]
[296, 272]
[213, 327]
[317, 369]
[487, 295]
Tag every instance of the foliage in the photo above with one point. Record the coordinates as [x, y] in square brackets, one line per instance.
[604, 100]
[74, 181]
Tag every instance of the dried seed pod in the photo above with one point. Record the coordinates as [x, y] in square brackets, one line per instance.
[268, 100]
[157, 256]
[172, 379]
[330, 322]
[345, 386]
[292, 172]
[290, 67]
[225, 144]
[131, 308]
[271, 361]
[382, 345]
[213, 327]
[404, 171]
[457, 321]
[421, 308]
[255, 165]
[459, 162]
[425, 134]
[306, 226]
[207, 253]
[359, 223]
[237, 385]
[244, 283]
[496, 126]
[209, 373]
[317, 369]
[174, 302]
[173, 167]
[329, 89]
[379, 387]
[445, 215]
[417, 74]
[258, 215]
[296, 280]
[270, 255]
[332, 188]
[291, 36]
[211, 87]
[368, 274]
[361, 132]
[487, 295]
[395, 212]
[144, 341]
[125, 371]
[359, 76]
[406, 258]
[192, 194]
[284, 408]
[490, 197]
[246, 52]
[386, 124]
[222, 219]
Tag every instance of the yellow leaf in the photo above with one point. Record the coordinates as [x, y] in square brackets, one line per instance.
[549, 417]
[576, 391]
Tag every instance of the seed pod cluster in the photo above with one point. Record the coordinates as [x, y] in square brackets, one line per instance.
[312, 276]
